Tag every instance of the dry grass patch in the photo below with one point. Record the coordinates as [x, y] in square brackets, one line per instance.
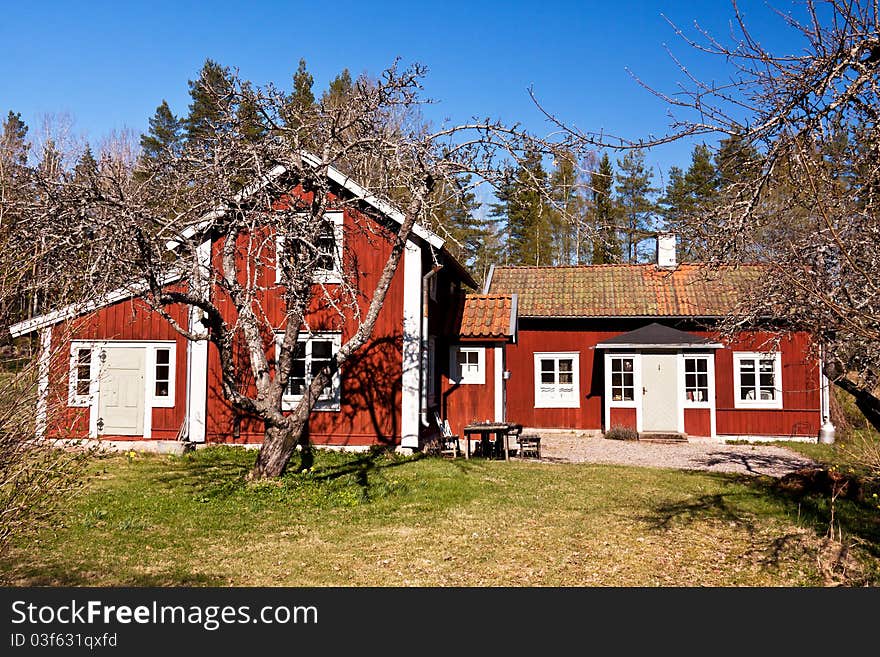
[377, 520]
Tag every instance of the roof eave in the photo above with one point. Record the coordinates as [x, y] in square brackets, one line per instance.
[659, 345]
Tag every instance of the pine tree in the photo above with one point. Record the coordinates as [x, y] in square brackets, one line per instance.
[606, 245]
[14, 186]
[528, 215]
[498, 212]
[13, 142]
[473, 241]
[85, 172]
[164, 138]
[301, 99]
[339, 89]
[737, 161]
[568, 209]
[250, 122]
[206, 115]
[690, 199]
[634, 193]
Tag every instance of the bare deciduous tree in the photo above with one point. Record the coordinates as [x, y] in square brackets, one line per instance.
[257, 181]
[806, 200]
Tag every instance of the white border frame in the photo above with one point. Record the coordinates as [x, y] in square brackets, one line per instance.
[709, 403]
[333, 400]
[576, 378]
[757, 404]
[454, 376]
[321, 276]
[150, 400]
[636, 402]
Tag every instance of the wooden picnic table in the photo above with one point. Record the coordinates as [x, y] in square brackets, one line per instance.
[485, 429]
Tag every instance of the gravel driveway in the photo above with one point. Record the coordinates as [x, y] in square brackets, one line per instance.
[695, 454]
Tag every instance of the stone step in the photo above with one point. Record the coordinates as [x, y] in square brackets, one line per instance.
[651, 437]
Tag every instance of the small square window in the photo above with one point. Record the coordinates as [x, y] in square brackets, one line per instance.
[467, 365]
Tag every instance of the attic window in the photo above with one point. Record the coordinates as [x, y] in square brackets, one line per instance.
[329, 244]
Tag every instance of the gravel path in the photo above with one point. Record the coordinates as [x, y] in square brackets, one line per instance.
[693, 455]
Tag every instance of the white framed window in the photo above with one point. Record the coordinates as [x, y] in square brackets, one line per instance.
[161, 366]
[623, 387]
[467, 365]
[557, 379]
[757, 380]
[329, 243]
[311, 354]
[83, 374]
[697, 386]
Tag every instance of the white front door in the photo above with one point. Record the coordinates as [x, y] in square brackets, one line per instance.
[660, 392]
[121, 392]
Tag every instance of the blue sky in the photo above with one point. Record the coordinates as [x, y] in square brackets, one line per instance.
[109, 64]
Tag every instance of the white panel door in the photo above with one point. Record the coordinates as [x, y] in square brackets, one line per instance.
[121, 392]
[660, 392]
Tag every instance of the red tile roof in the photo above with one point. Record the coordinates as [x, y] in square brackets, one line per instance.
[690, 290]
[487, 316]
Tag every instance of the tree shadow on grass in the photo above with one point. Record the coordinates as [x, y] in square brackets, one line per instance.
[752, 463]
[753, 497]
[66, 577]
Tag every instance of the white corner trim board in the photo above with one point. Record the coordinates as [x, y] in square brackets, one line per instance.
[499, 384]
[411, 375]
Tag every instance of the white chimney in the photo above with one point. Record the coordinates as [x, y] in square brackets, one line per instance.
[666, 250]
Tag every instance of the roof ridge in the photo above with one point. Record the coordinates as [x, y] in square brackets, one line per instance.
[637, 264]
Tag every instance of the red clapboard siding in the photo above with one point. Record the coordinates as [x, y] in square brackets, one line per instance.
[800, 389]
[623, 417]
[370, 381]
[128, 320]
[698, 421]
[521, 385]
[462, 404]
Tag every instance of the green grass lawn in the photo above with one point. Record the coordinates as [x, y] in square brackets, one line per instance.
[377, 520]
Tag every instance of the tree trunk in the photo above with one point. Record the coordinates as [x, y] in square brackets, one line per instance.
[866, 402]
[278, 446]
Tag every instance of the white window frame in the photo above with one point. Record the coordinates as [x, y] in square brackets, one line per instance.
[455, 375]
[151, 401]
[331, 398]
[154, 400]
[738, 357]
[324, 276]
[573, 399]
[710, 387]
[636, 401]
[73, 398]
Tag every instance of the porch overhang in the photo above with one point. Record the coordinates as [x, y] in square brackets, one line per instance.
[658, 336]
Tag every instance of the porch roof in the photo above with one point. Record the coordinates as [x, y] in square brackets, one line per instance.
[658, 335]
[484, 317]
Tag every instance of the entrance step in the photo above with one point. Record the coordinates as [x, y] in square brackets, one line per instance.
[652, 437]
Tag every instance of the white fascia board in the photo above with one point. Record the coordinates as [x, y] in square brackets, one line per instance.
[76, 309]
[708, 345]
[385, 208]
[336, 176]
[247, 192]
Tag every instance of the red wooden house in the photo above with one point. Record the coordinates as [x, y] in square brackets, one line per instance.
[630, 345]
[114, 370]
[578, 348]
